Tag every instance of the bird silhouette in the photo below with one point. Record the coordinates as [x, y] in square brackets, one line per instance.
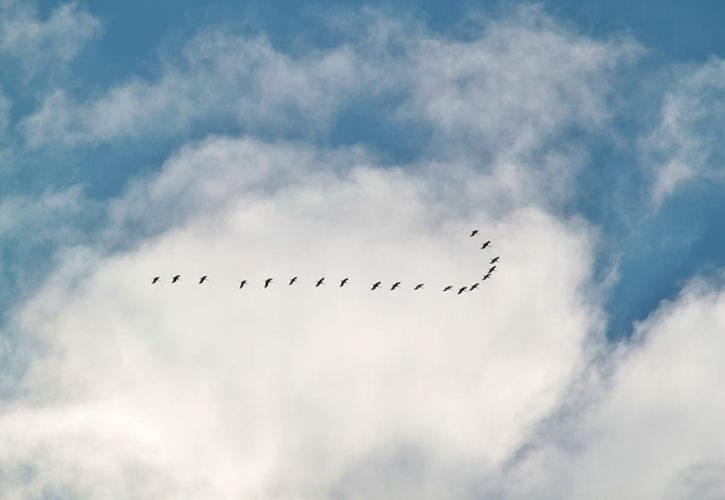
[176, 278]
[486, 245]
[320, 281]
[418, 286]
[395, 285]
[473, 287]
[243, 282]
[156, 279]
[494, 260]
[343, 282]
[493, 268]
[375, 285]
[462, 289]
[292, 281]
[488, 275]
[267, 282]
[474, 233]
[202, 279]
[447, 288]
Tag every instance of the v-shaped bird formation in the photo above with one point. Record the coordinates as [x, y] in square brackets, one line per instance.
[267, 283]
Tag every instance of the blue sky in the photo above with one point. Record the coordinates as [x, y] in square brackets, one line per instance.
[584, 135]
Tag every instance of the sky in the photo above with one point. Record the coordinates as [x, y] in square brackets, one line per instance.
[247, 140]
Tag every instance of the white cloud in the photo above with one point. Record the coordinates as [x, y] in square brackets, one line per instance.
[168, 391]
[650, 429]
[686, 143]
[42, 43]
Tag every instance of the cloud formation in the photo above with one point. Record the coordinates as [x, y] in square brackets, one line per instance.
[238, 392]
[38, 43]
[190, 391]
[686, 144]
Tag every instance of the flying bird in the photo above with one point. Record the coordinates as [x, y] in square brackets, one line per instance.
[241, 285]
[203, 279]
[494, 260]
[176, 278]
[395, 285]
[418, 286]
[320, 281]
[343, 282]
[462, 289]
[485, 245]
[473, 287]
[488, 275]
[474, 233]
[493, 268]
[156, 279]
[267, 282]
[375, 285]
[292, 281]
[447, 288]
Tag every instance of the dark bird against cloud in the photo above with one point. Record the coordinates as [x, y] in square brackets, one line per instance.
[267, 282]
[376, 285]
[343, 282]
[202, 279]
[176, 278]
[292, 281]
[155, 280]
[486, 245]
[418, 286]
[320, 282]
[395, 285]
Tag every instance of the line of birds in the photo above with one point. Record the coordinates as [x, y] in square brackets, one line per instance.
[375, 286]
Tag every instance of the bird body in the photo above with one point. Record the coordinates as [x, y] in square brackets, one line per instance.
[375, 285]
[292, 281]
[155, 280]
[486, 245]
[494, 260]
[202, 279]
[462, 289]
[488, 275]
[243, 282]
[267, 282]
[343, 282]
[176, 278]
[473, 287]
[320, 281]
[493, 268]
[418, 286]
[474, 233]
[395, 285]
[447, 288]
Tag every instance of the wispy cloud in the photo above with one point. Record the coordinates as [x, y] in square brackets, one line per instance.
[39, 43]
[686, 144]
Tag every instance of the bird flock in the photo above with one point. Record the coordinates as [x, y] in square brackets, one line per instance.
[458, 290]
